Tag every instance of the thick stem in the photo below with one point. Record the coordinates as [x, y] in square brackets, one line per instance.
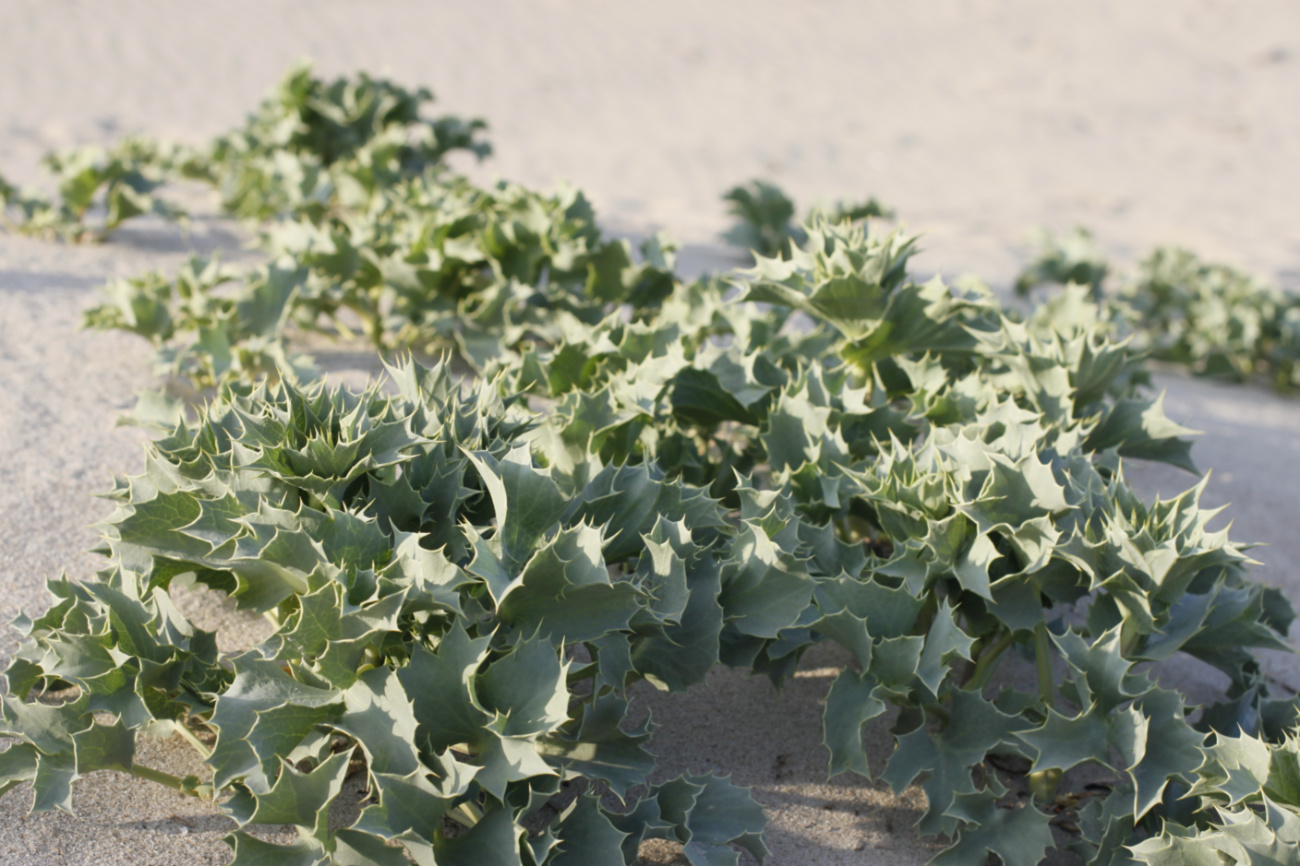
[466, 814]
[176, 783]
[925, 618]
[941, 713]
[1043, 659]
[188, 735]
[987, 664]
[843, 530]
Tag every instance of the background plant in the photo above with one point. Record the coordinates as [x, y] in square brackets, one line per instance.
[1210, 318]
[765, 217]
[121, 180]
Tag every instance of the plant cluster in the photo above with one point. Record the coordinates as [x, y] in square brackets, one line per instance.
[644, 477]
[765, 221]
[1210, 318]
[121, 181]
[308, 138]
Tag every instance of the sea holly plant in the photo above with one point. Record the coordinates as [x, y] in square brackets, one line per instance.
[369, 234]
[636, 479]
[1211, 318]
[121, 181]
[1073, 258]
[203, 336]
[311, 138]
[446, 615]
[308, 143]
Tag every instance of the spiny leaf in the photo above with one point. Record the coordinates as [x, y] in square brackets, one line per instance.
[1018, 834]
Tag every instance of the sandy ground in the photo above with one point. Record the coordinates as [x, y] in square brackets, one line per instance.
[1159, 122]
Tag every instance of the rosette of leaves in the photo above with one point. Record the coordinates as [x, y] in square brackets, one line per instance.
[438, 263]
[1211, 318]
[1002, 522]
[203, 337]
[121, 181]
[311, 135]
[1244, 805]
[1062, 260]
[449, 619]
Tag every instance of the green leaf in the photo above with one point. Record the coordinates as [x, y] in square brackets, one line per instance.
[683, 654]
[1064, 742]
[763, 589]
[354, 848]
[629, 501]
[258, 686]
[601, 748]
[493, 841]
[977, 727]
[250, 851]
[1138, 428]
[588, 837]
[17, 765]
[381, 717]
[442, 686]
[526, 501]
[850, 704]
[526, 689]
[52, 784]
[303, 799]
[406, 805]
[564, 592]
[722, 815]
[1018, 834]
[1172, 749]
[944, 642]
[104, 747]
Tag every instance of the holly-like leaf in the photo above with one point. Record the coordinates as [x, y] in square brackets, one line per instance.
[588, 837]
[600, 748]
[526, 501]
[564, 591]
[443, 690]
[303, 799]
[251, 851]
[851, 703]
[976, 728]
[763, 590]
[1018, 834]
[493, 841]
[1172, 749]
[525, 688]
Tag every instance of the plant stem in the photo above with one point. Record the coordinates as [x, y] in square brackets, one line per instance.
[925, 618]
[466, 814]
[987, 664]
[184, 731]
[1043, 659]
[940, 712]
[842, 527]
[176, 783]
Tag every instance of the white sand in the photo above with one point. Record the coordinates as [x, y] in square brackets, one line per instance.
[1158, 122]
